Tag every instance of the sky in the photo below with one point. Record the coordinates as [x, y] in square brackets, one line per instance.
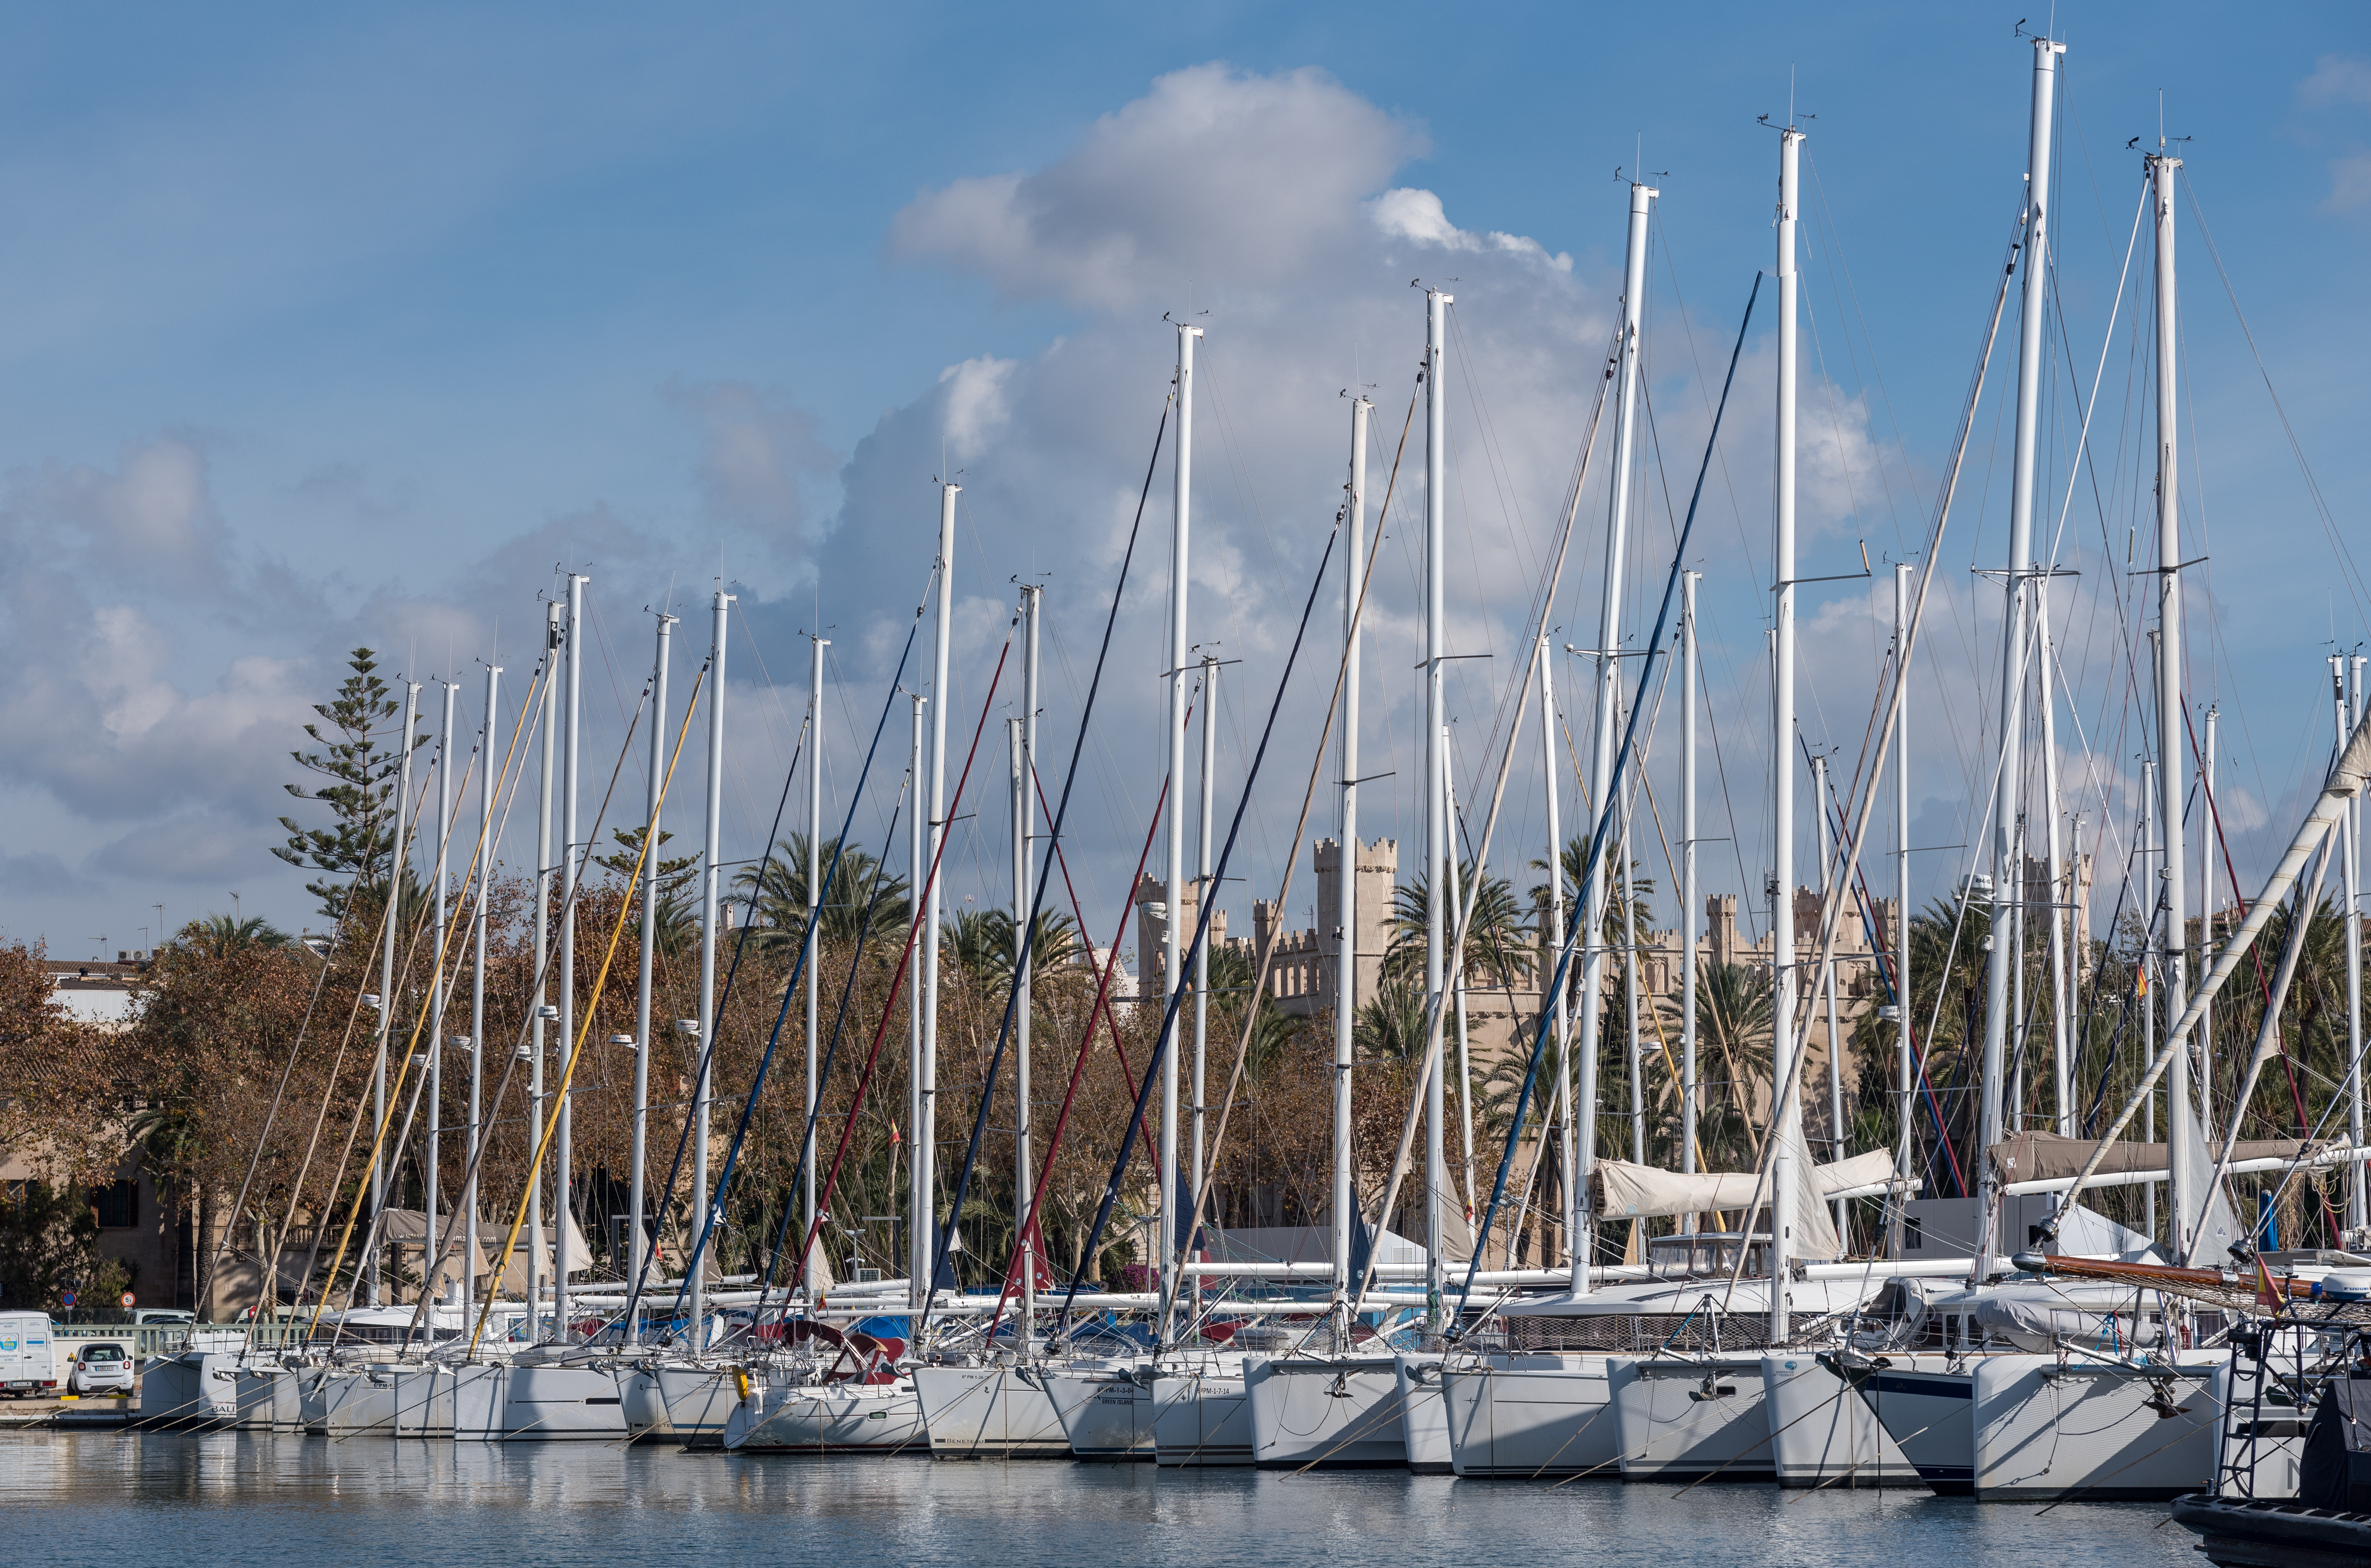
[332, 329]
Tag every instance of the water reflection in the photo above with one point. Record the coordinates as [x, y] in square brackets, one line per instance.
[175, 1498]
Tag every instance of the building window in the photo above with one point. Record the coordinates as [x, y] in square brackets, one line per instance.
[117, 1206]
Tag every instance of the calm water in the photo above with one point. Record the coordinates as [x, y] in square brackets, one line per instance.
[70, 1499]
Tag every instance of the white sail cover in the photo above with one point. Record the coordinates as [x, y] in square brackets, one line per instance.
[1642, 1192]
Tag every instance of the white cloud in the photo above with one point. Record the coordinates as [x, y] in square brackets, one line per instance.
[1417, 216]
[2349, 183]
[759, 452]
[1216, 178]
[2337, 79]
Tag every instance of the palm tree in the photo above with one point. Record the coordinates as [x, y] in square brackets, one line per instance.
[1498, 947]
[781, 884]
[221, 935]
[1391, 1027]
[981, 941]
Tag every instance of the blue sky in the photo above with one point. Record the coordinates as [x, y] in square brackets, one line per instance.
[328, 328]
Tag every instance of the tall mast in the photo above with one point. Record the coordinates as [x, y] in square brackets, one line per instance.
[1560, 1102]
[926, 1209]
[815, 903]
[555, 638]
[570, 868]
[2152, 958]
[2350, 713]
[1906, 1064]
[918, 1209]
[1346, 934]
[1465, 1060]
[428, 1173]
[1609, 697]
[1690, 895]
[2208, 806]
[1782, 741]
[1206, 890]
[1828, 991]
[482, 870]
[636, 1204]
[398, 856]
[2061, 909]
[1024, 896]
[1436, 715]
[2008, 873]
[1630, 990]
[711, 881]
[2188, 1203]
[1173, 884]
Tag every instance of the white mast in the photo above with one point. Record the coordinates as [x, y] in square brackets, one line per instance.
[1905, 1065]
[1690, 894]
[1609, 693]
[570, 868]
[1836, 1149]
[555, 636]
[2061, 898]
[1464, 1061]
[918, 1209]
[1630, 990]
[636, 1204]
[2008, 873]
[2207, 801]
[1436, 715]
[2151, 952]
[712, 880]
[1782, 743]
[1206, 891]
[432, 1253]
[1024, 896]
[2350, 713]
[926, 1124]
[1346, 935]
[1560, 1102]
[2189, 1204]
[398, 854]
[1174, 885]
[815, 902]
[482, 870]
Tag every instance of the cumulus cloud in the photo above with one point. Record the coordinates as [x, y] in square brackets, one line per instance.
[2338, 89]
[759, 453]
[1214, 173]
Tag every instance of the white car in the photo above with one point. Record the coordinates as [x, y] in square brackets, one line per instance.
[100, 1368]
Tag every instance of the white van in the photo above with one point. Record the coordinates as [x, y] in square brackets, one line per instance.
[28, 1354]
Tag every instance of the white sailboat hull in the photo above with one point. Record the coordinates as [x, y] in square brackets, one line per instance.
[988, 1413]
[2022, 1426]
[1326, 1413]
[833, 1418]
[1201, 1418]
[1822, 1435]
[1424, 1417]
[559, 1404]
[690, 1404]
[1530, 1417]
[1690, 1415]
[1106, 1416]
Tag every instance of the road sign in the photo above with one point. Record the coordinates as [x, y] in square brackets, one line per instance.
[127, 1299]
[69, 1298]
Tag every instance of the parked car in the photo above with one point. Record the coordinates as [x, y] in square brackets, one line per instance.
[149, 1315]
[101, 1368]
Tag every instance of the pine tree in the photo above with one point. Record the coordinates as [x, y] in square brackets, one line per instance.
[354, 851]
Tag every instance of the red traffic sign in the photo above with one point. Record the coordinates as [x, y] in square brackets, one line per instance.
[69, 1297]
[127, 1299]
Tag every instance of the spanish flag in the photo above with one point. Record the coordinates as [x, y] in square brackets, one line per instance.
[2269, 1294]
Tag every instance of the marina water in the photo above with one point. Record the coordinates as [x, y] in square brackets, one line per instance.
[68, 1499]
